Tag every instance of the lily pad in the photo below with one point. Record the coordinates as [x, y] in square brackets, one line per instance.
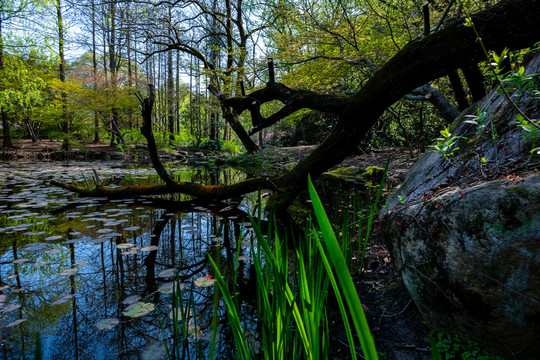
[62, 300]
[156, 351]
[20, 261]
[150, 248]
[168, 288]
[15, 323]
[52, 251]
[205, 281]
[138, 309]
[131, 299]
[104, 231]
[69, 272]
[124, 246]
[130, 252]
[107, 324]
[166, 273]
[11, 307]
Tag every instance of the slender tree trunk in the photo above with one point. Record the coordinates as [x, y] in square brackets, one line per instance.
[94, 64]
[66, 146]
[170, 91]
[5, 120]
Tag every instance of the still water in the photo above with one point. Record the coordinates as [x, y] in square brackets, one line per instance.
[89, 278]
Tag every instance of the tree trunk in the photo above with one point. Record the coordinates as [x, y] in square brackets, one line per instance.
[94, 70]
[5, 120]
[66, 146]
[509, 24]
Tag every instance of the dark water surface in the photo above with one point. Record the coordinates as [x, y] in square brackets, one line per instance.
[93, 278]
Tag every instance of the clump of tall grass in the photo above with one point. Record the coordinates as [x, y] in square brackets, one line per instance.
[292, 294]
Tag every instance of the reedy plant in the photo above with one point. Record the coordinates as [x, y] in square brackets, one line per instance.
[293, 305]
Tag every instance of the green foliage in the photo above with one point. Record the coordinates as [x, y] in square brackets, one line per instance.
[293, 306]
[530, 132]
[480, 120]
[212, 145]
[230, 146]
[446, 347]
[446, 144]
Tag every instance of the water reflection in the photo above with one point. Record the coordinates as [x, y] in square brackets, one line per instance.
[68, 263]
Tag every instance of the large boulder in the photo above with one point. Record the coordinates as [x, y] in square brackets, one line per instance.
[464, 229]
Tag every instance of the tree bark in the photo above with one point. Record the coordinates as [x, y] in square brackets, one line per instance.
[66, 146]
[7, 143]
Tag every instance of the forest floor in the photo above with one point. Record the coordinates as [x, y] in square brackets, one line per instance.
[398, 327]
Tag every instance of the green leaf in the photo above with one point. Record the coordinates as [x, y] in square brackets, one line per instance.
[107, 324]
[205, 281]
[343, 275]
[138, 309]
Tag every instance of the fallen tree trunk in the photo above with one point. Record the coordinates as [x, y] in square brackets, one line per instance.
[509, 24]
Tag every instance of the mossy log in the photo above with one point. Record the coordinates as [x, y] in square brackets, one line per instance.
[218, 192]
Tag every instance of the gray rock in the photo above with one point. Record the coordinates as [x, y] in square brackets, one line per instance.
[467, 241]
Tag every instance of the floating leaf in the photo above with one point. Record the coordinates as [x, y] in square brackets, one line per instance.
[81, 263]
[104, 231]
[131, 299]
[150, 248]
[130, 252]
[20, 261]
[15, 323]
[107, 324]
[52, 251]
[195, 331]
[166, 273]
[35, 247]
[69, 272]
[62, 300]
[124, 246]
[11, 307]
[205, 281]
[155, 351]
[170, 287]
[138, 309]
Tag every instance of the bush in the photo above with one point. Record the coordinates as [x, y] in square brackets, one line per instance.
[212, 145]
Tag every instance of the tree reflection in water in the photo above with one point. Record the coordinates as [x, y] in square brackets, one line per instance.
[35, 220]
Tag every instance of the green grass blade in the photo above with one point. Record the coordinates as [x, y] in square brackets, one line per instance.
[344, 277]
[337, 293]
[234, 319]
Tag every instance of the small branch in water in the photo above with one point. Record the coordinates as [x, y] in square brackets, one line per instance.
[96, 178]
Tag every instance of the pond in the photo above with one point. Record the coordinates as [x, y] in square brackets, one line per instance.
[91, 278]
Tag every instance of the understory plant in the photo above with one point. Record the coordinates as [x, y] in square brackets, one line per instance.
[293, 306]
